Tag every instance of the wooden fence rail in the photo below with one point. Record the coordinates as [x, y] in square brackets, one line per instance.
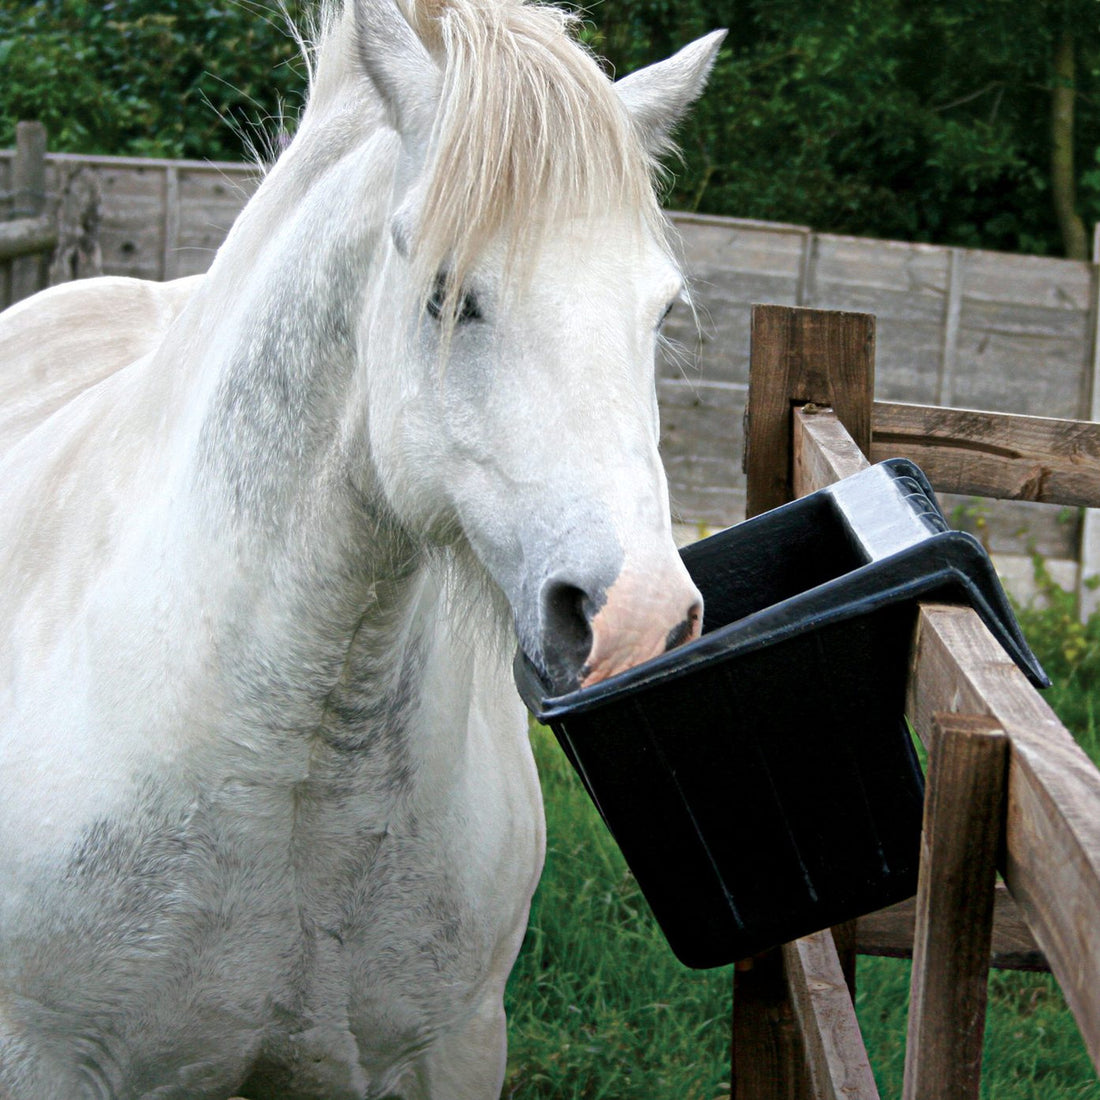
[1003, 769]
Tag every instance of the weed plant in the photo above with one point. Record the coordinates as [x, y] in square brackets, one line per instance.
[1070, 652]
[600, 1009]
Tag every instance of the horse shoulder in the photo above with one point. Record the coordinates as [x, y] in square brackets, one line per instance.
[62, 341]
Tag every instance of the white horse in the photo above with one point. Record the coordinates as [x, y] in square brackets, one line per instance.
[269, 821]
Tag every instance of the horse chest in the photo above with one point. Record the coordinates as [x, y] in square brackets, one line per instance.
[322, 934]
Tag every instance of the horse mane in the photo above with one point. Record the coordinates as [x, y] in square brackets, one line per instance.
[529, 134]
[528, 123]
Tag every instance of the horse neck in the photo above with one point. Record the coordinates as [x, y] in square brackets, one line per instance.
[272, 337]
[285, 478]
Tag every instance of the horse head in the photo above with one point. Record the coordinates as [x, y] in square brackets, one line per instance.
[519, 305]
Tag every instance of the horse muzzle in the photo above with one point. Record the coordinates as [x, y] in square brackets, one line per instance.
[590, 632]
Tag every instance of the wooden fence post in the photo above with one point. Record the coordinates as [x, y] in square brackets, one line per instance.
[1088, 551]
[767, 1058]
[28, 273]
[802, 356]
[960, 843]
[798, 356]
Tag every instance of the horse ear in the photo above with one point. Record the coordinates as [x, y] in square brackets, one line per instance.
[398, 65]
[658, 96]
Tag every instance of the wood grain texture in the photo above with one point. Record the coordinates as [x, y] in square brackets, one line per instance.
[170, 235]
[1053, 817]
[802, 356]
[889, 932]
[835, 1054]
[768, 1061]
[963, 818]
[1000, 455]
[824, 452]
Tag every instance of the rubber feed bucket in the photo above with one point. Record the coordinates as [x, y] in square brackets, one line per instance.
[761, 781]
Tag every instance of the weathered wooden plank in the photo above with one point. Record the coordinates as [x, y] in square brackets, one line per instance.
[1019, 311]
[998, 455]
[29, 170]
[889, 932]
[945, 380]
[29, 266]
[908, 280]
[170, 234]
[1088, 547]
[739, 244]
[1053, 818]
[700, 445]
[1019, 373]
[1011, 527]
[27, 236]
[904, 286]
[901, 267]
[823, 450]
[833, 1044]
[209, 204]
[1014, 278]
[963, 817]
[801, 356]
[768, 1060]
[730, 263]
[132, 229]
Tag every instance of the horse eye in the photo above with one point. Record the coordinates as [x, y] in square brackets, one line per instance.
[664, 316]
[468, 308]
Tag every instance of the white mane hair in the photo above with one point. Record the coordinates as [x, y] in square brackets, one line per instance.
[527, 122]
[528, 134]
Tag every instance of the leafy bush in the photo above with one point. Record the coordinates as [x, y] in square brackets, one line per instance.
[174, 78]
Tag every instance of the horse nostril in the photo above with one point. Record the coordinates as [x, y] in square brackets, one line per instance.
[687, 630]
[567, 636]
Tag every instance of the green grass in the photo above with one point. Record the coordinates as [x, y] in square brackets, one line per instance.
[598, 1006]
[600, 1009]
[1033, 1050]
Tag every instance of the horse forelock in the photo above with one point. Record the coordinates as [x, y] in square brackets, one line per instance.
[529, 134]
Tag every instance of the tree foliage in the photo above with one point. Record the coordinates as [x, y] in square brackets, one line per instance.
[170, 78]
[928, 121]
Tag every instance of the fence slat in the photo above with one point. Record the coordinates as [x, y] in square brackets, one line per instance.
[889, 932]
[28, 269]
[1053, 818]
[1052, 826]
[832, 1041]
[963, 817]
[1001, 455]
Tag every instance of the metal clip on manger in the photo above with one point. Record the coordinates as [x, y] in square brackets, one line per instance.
[761, 781]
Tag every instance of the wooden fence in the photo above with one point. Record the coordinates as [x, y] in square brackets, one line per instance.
[29, 236]
[1007, 784]
[956, 327]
